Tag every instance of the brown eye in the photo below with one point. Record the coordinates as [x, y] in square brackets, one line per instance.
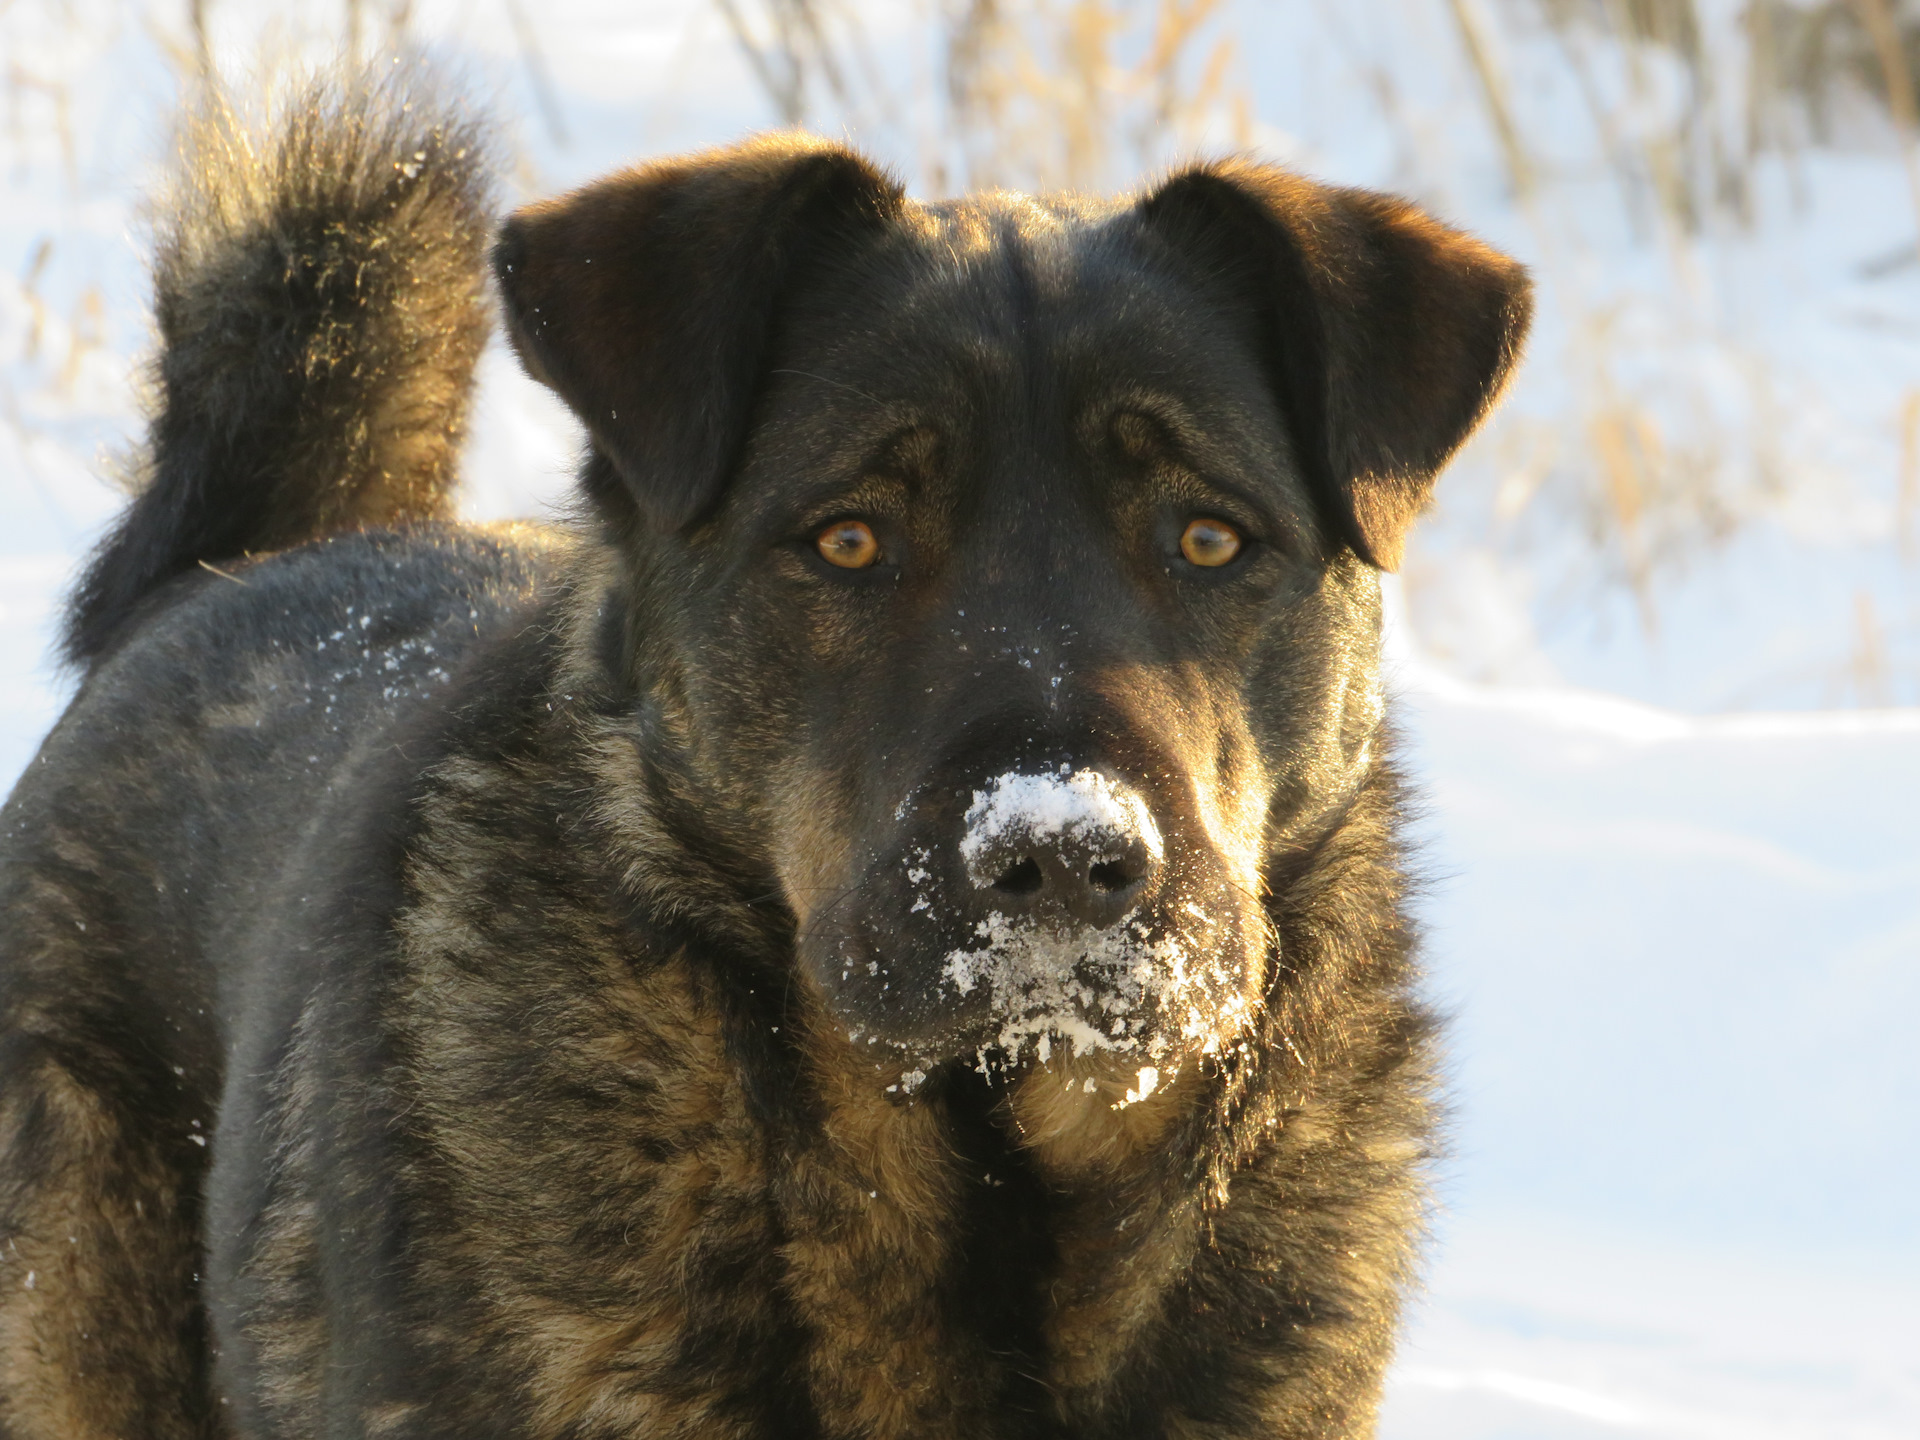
[1209, 542]
[849, 544]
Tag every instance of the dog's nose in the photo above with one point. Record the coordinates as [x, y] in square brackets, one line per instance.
[1077, 844]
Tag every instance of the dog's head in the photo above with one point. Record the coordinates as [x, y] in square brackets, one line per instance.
[1002, 572]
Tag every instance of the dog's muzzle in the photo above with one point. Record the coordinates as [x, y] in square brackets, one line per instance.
[1049, 905]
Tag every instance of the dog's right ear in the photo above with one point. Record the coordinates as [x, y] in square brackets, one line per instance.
[646, 300]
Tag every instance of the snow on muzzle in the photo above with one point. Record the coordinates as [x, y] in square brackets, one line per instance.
[1042, 910]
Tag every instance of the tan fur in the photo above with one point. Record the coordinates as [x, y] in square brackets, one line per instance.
[88, 1272]
[869, 1212]
[590, 1366]
[1073, 1112]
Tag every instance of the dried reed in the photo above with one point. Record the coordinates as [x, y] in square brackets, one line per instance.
[1046, 94]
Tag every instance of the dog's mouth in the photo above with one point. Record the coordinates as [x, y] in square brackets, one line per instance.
[1132, 988]
[1146, 994]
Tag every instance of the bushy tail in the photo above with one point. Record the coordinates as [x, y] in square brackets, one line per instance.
[321, 301]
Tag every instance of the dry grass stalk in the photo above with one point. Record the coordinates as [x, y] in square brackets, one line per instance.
[86, 332]
[1038, 95]
[1047, 101]
[545, 97]
[1476, 40]
[1627, 446]
[1868, 671]
[197, 27]
[798, 49]
[1907, 505]
[22, 84]
[1877, 16]
[1800, 57]
[30, 292]
[1654, 474]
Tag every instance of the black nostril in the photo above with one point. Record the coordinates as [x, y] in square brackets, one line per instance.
[1111, 875]
[1021, 878]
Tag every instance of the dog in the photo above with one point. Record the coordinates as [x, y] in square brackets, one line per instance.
[889, 923]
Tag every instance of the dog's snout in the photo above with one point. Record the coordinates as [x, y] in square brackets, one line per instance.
[1077, 844]
[1095, 892]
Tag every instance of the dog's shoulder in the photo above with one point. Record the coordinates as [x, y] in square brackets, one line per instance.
[227, 618]
[210, 739]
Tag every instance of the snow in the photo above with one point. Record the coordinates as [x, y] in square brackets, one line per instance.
[1081, 807]
[1097, 991]
[1680, 957]
[1680, 946]
[1539, 1329]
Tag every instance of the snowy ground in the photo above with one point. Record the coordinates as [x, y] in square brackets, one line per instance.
[1682, 950]
[1681, 958]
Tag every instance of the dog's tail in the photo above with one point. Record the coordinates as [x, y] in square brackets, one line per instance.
[321, 301]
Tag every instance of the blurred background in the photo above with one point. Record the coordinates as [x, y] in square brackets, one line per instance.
[1656, 649]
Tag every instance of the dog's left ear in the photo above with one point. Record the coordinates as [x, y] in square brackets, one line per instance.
[647, 301]
[1387, 334]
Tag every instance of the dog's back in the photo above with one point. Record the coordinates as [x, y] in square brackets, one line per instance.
[276, 600]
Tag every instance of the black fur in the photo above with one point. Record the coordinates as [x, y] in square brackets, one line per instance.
[699, 252]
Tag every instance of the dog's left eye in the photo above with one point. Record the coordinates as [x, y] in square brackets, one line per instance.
[1209, 543]
[850, 544]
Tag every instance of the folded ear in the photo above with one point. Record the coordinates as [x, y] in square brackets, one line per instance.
[1388, 335]
[646, 300]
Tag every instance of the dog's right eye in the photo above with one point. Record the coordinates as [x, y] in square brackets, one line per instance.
[850, 544]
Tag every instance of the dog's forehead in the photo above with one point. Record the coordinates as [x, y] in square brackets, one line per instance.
[1011, 328]
[1011, 260]
[1007, 222]
[1052, 302]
